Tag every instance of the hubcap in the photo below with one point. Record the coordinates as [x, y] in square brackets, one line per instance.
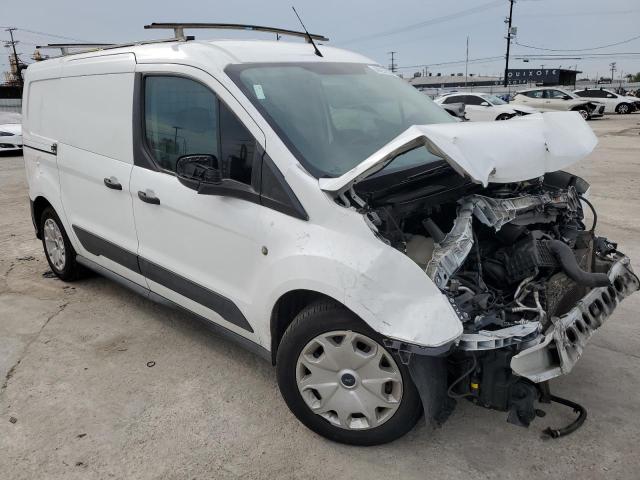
[624, 109]
[54, 244]
[584, 114]
[349, 380]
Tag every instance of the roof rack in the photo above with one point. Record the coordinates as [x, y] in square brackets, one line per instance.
[65, 47]
[178, 29]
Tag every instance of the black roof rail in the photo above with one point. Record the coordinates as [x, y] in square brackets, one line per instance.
[179, 28]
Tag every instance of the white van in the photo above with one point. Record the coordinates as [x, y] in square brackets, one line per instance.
[324, 213]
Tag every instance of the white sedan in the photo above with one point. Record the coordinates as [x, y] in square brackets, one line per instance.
[10, 132]
[614, 103]
[482, 107]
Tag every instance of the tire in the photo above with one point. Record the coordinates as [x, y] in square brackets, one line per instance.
[57, 248]
[583, 113]
[313, 324]
[504, 116]
[623, 108]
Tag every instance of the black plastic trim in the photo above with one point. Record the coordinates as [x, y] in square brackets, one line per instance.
[216, 328]
[292, 206]
[141, 156]
[104, 248]
[40, 150]
[33, 219]
[208, 298]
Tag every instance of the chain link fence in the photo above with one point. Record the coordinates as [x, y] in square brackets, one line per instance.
[11, 105]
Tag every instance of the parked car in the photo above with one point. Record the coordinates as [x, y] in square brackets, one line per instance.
[10, 132]
[614, 103]
[328, 216]
[456, 110]
[481, 107]
[554, 99]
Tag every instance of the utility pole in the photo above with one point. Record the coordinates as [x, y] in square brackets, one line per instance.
[613, 69]
[394, 66]
[15, 55]
[466, 64]
[508, 21]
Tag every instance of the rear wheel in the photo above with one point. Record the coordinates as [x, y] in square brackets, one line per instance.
[57, 248]
[623, 108]
[339, 380]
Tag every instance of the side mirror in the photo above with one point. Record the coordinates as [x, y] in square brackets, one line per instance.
[194, 170]
[202, 174]
[566, 97]
[485, 104]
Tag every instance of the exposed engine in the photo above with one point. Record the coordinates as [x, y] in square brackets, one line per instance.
[512, 255]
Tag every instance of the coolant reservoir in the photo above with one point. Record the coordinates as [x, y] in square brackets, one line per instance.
[420, 250]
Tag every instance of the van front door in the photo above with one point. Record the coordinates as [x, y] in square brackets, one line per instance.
[199, 251]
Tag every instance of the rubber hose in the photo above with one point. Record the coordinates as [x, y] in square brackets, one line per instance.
[566, 258]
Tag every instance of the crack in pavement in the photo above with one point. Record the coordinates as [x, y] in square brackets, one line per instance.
[12, 370]
[615, 351]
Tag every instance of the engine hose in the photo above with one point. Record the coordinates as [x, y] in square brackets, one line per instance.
[565, 256]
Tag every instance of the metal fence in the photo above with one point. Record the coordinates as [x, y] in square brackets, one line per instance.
[13, 105]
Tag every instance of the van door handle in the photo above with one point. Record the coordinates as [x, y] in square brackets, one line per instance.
[148, 197]
[112, 182]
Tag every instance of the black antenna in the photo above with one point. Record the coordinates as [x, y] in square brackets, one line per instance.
[309, 38]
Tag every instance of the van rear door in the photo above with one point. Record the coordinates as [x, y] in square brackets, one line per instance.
[95, 160]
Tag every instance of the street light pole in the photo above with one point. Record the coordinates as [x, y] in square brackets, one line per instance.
[506, 65]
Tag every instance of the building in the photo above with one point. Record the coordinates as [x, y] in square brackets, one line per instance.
[515, 76]
[453, 81]
[542, 76]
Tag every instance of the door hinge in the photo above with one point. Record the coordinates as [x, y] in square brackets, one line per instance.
[54, 148]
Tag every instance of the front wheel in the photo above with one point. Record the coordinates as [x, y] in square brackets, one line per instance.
[339, 380]
[504, 116]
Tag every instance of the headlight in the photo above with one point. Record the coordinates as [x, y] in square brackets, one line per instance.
[5, 134]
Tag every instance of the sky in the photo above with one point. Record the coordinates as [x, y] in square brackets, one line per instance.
[422, 32]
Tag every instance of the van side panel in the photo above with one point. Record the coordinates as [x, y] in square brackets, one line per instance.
[41, 116]
[96, 114]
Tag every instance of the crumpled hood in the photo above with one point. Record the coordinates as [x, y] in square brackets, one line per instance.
[488, 152]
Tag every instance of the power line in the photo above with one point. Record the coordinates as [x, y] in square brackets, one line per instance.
[578, 49]
[565, 55]
[457, 62]
[52, 35]
[425, 23]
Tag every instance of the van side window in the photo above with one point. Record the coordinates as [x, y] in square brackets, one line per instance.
[184, 117]
[181, 118]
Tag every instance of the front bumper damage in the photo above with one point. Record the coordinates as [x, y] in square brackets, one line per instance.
[520, 360]
[562, 344]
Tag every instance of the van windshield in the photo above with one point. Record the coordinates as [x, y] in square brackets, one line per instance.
[332, 116]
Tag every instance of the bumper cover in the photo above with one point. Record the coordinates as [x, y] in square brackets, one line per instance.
[562, 343]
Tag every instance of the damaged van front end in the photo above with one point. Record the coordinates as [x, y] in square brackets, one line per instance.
[500, 230]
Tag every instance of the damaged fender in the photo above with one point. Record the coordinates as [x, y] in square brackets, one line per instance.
[381, 285]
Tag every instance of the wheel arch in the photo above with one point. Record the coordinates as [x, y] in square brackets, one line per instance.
[285, 310]
[38, 206]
